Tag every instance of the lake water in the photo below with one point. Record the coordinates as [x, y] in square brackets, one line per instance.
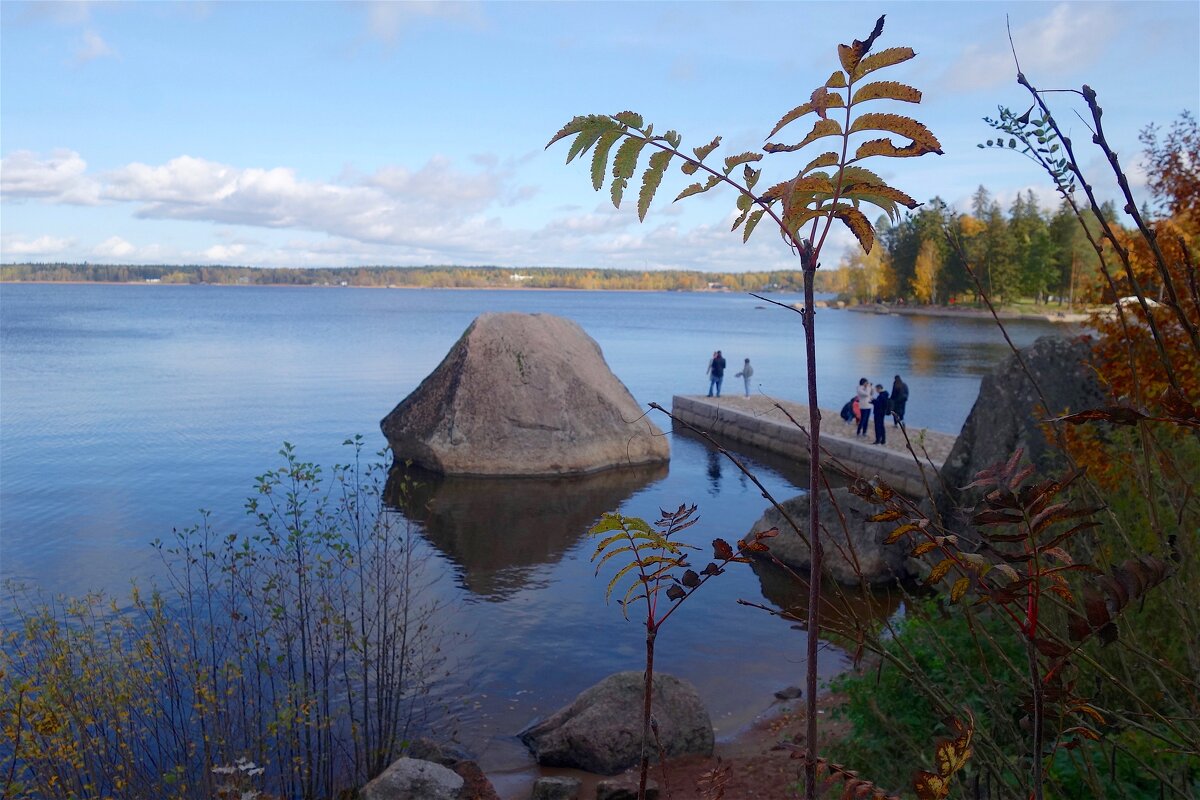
[126, 409]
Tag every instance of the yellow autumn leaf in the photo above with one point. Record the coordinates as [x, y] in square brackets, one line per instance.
[886, 90]
[900, 125]
[939, 570]
[931, 787]
[858, 224]
[884, 58]
[895, 535]
[923, 548]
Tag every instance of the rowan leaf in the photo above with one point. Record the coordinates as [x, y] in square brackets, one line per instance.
[885, 516]
[820, 129]
[630, 118]
[600, 157]
[703, 150]
[879, 195]
[924, 547]
[790, 117]
[620, 574]
[858, 224]
[931, 787]
[886, 90]
[884, 58]
[959, 589]
[697, 188]
[625, 162]
[789, 191]
[837, 80]
[651, 179]
[1116, 415]
[722, 551]
[798, 215]
[900, 125]
[885, 147]
[574, 126]
[826, 159]
[618, 190]
[1007, 571]
[751, 223]
[895, 535]
[741, 158]
[822, 100]
[939, 571]
[851, 54]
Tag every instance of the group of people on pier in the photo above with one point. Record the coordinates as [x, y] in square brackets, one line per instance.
[868, 398]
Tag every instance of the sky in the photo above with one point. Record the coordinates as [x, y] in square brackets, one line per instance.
[330, 134]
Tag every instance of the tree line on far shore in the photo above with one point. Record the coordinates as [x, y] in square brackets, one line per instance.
[444, 277]
[1030, 254]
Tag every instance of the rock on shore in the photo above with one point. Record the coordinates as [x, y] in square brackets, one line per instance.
[601, 730]
[853, 555]
[1008, 413]
[523, 394]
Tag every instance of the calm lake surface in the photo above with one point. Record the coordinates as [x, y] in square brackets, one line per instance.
[126, 409]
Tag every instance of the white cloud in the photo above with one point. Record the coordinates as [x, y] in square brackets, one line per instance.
[1072, 36]
[92, 47]
[21, 246]
[113, 247]
[59, 178]
[225, 253]
[434, 205]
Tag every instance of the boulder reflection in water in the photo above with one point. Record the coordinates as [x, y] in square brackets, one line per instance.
[843, 608]
[499, 530]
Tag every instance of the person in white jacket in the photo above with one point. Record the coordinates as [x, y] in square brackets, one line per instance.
[866, 393]
[745, 374]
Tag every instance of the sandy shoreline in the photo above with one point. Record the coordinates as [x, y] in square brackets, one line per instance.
[1062, 317]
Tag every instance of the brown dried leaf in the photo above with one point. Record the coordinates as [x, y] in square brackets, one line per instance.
[722, 550]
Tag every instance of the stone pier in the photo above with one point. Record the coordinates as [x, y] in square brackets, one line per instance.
[762, 422]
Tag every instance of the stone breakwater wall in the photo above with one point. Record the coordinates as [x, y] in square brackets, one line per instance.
[758, 421]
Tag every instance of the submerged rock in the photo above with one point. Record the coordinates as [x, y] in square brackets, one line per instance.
[601, 730]
[523, 394]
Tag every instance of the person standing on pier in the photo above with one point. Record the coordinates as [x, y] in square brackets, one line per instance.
[881, 403]
[864, 395]
[899, 400]
[716, 373]
[745, 374]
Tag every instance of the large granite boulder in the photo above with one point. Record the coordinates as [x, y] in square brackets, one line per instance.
[414, 779]
[601, 730]
[1008, 414]
[523, 394]
[853, 555]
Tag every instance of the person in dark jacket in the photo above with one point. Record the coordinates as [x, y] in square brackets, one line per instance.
[899, 400]
[881, 403]
[716, 373]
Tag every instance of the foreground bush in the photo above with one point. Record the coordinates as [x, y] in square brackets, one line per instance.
[309, 648]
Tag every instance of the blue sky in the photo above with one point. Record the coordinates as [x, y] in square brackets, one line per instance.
[339, 134]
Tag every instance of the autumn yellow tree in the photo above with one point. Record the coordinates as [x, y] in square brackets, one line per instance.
[925, 276]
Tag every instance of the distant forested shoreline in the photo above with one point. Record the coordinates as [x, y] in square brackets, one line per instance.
[431, 277]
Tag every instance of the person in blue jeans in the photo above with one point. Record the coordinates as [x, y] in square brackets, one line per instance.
[716, 373]
[865, 394]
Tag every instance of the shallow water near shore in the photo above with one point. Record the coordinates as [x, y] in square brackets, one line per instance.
[125, 409]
